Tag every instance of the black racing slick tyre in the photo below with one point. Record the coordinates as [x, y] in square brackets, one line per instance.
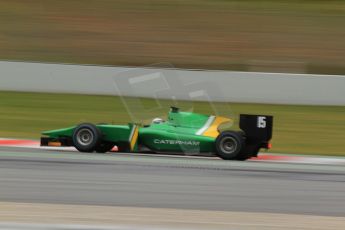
[86, 137]
[104, 147]
[229, 145]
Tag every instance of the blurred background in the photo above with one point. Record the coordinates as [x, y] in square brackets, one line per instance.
[299, 36]
[296, 36]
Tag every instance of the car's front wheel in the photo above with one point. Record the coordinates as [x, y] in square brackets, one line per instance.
[229, 145]
[86, 137]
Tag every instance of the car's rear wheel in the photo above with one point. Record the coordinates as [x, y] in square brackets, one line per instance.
[229, 145]
[86, 137]
[104, 147]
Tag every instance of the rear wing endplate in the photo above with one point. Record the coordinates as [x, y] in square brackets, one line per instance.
[257, 128]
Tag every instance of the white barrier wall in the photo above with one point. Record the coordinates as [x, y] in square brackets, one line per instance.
[180, 84]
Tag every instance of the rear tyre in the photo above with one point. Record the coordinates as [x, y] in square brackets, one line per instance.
[86, 137]
[229, 145]
[104, 147]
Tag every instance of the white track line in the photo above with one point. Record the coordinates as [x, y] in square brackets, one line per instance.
[30, 226]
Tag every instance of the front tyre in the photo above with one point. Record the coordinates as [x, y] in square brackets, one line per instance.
[229, 145]
[86, 137]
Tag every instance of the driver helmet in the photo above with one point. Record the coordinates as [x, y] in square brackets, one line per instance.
[157, 120]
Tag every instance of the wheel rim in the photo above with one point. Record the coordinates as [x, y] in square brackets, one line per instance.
[228, 145]
[85, 137]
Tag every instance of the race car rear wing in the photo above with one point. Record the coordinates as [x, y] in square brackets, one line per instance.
[257, 129]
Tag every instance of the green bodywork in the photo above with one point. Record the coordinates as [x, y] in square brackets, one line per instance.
[178, 133]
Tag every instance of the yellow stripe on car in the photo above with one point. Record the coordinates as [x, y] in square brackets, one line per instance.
[134, 137]
[212, 130]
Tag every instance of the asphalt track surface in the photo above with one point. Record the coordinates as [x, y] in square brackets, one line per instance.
[118, 179]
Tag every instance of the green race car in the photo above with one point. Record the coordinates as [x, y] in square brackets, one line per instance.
[182, 132]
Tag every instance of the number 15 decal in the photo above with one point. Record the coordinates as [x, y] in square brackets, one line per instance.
[261, 122]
